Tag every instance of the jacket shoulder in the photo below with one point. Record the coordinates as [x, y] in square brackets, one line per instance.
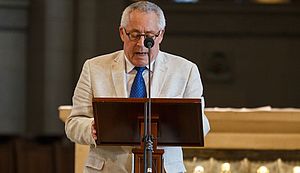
[172, 59]
[103, 59]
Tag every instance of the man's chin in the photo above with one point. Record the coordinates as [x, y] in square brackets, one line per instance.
[140, 57]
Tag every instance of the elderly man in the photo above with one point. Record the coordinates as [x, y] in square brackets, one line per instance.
[113, 75]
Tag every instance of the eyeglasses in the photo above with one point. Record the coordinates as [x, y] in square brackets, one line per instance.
[135, 36]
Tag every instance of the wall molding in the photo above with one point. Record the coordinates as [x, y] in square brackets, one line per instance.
[13, 16]
[14, 4]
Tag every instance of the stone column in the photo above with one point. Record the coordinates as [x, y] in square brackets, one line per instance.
[13, 44]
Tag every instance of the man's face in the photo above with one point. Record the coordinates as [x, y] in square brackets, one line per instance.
[141, 23]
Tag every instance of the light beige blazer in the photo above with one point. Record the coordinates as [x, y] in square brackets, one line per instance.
[104, 76]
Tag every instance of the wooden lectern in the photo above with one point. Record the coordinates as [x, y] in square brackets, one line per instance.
[175, 122]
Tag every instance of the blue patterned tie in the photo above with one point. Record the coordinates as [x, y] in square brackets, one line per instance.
[138, 88]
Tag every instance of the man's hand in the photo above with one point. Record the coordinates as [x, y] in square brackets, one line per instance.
[93, 130]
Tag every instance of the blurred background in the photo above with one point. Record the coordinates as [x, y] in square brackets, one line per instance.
[247, 51]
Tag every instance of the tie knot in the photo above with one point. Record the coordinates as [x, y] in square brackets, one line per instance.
[139, 69]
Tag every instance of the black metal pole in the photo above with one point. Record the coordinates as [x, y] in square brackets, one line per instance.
[145, 136]
[148, 139]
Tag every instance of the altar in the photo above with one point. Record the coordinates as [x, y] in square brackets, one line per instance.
[257, 128]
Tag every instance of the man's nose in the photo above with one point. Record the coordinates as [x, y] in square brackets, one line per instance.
[140, 41]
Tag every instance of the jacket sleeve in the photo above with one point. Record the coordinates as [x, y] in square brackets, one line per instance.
[194, 89]
[78, 124]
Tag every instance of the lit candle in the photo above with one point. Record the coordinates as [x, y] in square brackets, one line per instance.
[296, 169]
[262, 169]
[225, 167]
[199, 169]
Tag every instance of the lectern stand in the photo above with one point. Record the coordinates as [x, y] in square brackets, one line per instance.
[139, 152]
[175, 122]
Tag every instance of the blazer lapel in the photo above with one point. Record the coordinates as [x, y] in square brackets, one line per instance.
[118, 75]
[159, 75]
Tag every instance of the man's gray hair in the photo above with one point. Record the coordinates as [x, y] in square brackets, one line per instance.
[144, 6]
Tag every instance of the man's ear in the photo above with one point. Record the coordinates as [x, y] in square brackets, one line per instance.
[121, 33]
[161, 36]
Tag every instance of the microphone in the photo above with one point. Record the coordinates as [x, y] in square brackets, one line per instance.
[148, 42]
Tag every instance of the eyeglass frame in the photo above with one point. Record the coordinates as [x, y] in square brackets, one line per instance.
[139, 35]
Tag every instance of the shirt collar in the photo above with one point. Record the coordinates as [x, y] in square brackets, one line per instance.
[129, 66]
